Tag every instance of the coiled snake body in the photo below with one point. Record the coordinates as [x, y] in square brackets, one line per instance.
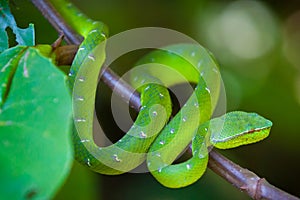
[152, 137]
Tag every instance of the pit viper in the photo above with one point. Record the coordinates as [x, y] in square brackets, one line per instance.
[154, 138]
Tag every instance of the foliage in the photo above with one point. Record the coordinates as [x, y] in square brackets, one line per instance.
[270, 87]
[33, 97]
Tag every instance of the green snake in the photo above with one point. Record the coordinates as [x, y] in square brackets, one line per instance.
[153, 136]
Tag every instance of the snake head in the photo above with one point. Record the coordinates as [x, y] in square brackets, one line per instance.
[238, 128]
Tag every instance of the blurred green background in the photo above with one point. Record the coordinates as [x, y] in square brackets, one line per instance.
[257, 44]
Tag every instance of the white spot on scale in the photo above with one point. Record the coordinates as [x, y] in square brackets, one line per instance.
[159, 170]
[80, 98]
[172, 130]
[207, 89]
[162, 142]
[88, 162]
[199, 64]
[81, 79]
[154, 113]
[184, 119]
[147, 88]
[80, 120]
[81, 49]
[143, 134]
[71, 73]
[103, 35]
[116, 158]
[92, 31]
[193, 53]
[84, 140]
[215, 70]
[188, 166]
[91, 57]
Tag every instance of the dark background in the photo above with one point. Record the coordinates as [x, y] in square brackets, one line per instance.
[257, 44]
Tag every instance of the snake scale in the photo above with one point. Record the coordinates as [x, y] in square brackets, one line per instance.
[153, 137]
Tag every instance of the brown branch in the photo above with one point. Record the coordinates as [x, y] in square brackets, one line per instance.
[244, 179]
[55, 20]
[241, 178]
[110, 78]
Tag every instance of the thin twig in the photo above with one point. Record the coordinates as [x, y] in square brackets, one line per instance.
[241, 178]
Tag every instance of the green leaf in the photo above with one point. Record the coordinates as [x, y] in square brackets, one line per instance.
[8, 62]
[23, 36]
[35, 118]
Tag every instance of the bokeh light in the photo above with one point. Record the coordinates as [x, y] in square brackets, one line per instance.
[291, 47]
[242, 29]
[244, 36]
[292, 39]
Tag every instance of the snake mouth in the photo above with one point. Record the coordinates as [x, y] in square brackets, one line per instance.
[244, 138]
